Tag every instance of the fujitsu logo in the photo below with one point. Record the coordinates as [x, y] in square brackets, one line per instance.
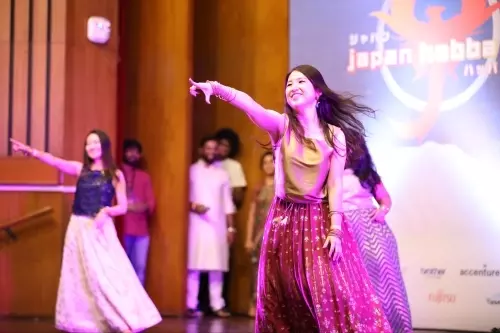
[442, 297]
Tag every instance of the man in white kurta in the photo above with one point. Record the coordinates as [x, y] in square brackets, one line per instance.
[210, 228]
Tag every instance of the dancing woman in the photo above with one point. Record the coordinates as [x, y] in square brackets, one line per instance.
[375, 239]
[311, 277]
[98, 288]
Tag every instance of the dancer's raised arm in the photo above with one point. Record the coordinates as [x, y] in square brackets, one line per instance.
[268, 120]
[70, 167]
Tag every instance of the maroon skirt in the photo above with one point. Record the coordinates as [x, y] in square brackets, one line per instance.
[300, 288]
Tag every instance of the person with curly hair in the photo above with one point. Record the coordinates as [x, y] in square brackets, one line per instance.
[227, 150]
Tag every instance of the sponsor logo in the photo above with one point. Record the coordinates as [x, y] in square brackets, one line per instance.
[433, 272]
[423, 43]
[442, 297]
[407, 48]
[493, 300]
[484, 272]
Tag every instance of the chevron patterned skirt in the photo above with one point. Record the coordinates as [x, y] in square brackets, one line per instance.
[379, 251]
[300, 289]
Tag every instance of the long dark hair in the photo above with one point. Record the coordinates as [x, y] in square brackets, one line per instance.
[332, 109]
[109, 164]
[364, 168]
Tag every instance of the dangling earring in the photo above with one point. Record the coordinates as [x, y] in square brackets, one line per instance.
[317, 104]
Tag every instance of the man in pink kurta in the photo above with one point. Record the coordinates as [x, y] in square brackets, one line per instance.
[141, 203]
[211, 229]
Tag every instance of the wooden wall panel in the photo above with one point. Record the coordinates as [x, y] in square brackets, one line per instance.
[5, 23]
[23, 67]
[91, 76]
[26, 171]
[243, 44]
[205, 49]
[39, 82]
[22, 53]
[56, 80]
[55, 85]
[159, 62]
[30, 266]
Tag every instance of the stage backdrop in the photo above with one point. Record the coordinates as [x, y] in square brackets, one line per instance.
[430, 68]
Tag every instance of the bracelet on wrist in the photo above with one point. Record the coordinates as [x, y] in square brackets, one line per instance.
[335, 212]
[335, 233]
[385, 209]
[226, 94]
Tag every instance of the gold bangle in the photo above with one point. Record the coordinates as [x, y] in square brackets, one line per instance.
[335, 212]
[335, 233]
[224, 93]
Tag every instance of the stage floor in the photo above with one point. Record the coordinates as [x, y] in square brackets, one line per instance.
[169, 325]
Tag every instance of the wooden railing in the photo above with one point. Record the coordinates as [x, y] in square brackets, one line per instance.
[7, 227]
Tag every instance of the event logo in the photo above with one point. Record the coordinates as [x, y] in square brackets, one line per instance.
[494, 300]
[433, 272]
[434, 48]
[441, 297]
[484, 272]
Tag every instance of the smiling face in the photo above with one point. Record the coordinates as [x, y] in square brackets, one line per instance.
[208, 151]
[93, 146]
[300, 92]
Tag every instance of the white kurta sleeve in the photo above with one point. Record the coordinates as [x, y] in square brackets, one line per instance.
[229, 207]
[237, 175]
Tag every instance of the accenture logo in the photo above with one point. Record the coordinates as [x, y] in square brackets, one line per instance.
[484, 272]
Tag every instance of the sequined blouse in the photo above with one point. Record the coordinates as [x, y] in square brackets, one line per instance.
[94, 190]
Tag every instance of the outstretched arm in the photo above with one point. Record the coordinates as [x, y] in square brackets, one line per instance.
[268, 120]
[335, 182]
[70, 167]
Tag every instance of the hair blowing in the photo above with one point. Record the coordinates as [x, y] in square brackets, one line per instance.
[364, 168]
[332, 109]
[109, 165]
